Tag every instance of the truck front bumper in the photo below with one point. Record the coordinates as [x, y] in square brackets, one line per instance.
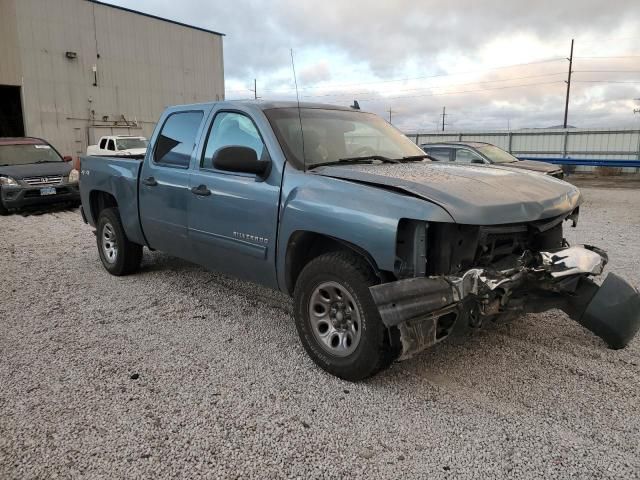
[426, 310]
[19, 196]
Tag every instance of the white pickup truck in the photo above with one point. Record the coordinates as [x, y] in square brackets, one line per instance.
[118, 145]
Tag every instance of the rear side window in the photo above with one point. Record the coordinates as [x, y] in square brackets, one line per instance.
[177, 139]
[111, 145]
[443, 154]
[103, 144]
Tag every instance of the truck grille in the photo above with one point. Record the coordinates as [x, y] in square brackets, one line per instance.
[43, 181]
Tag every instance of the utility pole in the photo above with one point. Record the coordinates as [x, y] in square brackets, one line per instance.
[389, 114]
[568, 82]
[255, 89]
[443, 115]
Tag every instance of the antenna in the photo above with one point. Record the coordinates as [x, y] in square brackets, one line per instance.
[295, 80]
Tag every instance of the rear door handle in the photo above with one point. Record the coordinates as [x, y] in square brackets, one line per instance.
[150, 182]
[201, 190]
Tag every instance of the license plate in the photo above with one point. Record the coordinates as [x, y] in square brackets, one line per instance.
[48, 191]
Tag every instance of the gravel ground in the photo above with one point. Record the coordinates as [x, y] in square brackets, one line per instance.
[178, 372]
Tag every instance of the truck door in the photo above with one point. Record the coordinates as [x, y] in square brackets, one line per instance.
[233, 216]
[164, 183]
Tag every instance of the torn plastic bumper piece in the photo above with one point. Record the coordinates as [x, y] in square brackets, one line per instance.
[426, 309]
[611, 310]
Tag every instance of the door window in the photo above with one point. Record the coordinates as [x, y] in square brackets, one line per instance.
[231, 128]
[443, 154]
[103, 144]
[177, 139]
[111, 145]
[467, 156]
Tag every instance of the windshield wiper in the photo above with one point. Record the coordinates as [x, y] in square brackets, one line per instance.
[47, 161]
[412, 158]
[356, 160]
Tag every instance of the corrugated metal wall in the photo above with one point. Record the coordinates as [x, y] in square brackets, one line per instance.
[143, 65]
[620, 144]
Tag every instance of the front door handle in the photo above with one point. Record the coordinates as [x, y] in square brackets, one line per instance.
[201, 190]
[150, 182]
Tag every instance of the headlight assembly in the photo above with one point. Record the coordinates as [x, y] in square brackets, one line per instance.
[7, 181]
[74, 176]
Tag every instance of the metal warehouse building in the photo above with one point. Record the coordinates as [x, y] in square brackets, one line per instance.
[73, 70]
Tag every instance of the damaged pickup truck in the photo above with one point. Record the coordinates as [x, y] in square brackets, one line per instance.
[384, 252]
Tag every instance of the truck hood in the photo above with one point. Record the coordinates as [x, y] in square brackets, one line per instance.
[36, 170]
[534, 166]
[471, 194]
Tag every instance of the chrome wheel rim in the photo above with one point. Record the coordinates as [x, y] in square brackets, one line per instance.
[109, 243]
[335, 319]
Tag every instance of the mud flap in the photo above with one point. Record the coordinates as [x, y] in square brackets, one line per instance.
[613, 313]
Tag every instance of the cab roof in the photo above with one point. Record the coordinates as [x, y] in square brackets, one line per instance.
[22, 141]
[468, 144]
[269, 104]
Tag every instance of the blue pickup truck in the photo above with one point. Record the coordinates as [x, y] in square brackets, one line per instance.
[384, 252]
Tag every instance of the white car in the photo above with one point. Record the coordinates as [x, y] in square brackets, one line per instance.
[118, 145]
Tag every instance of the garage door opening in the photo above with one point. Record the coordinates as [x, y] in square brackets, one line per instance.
[11, 123]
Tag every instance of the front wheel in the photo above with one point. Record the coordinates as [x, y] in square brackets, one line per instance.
[337, 320]
[119, 256]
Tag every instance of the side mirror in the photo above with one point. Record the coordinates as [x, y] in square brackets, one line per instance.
[477, 160]
[235, 158]
[67, 158]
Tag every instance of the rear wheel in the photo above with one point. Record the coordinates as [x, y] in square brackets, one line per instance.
[119, 256]
[3, 210]
[337, 320]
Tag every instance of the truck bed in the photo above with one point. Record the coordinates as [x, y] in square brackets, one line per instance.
[117, 177]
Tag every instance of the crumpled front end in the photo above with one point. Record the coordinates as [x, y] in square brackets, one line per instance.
[428, 309]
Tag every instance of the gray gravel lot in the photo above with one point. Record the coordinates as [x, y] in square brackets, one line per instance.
[179, 372]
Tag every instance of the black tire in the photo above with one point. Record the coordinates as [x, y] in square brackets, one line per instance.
[127, 256]
[373, 351]
[3, 210]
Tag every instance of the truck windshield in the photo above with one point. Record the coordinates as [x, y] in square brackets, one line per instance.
[496, 155]
[128, 143]
[26, 154]
[333, 135]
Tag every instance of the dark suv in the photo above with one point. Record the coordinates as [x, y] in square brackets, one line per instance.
[481, 152]
[32, 172]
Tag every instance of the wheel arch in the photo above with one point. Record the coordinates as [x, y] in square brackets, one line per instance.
[98, 201]
[303, 246]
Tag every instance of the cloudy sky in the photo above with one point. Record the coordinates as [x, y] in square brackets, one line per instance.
[492, 63]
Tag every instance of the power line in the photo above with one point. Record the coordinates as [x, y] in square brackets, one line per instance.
[606, 71]
[380, 99]
[400, 97]
[632, 82]
[606, 57]
[549, 60]
[319, 85]
[436, 86]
